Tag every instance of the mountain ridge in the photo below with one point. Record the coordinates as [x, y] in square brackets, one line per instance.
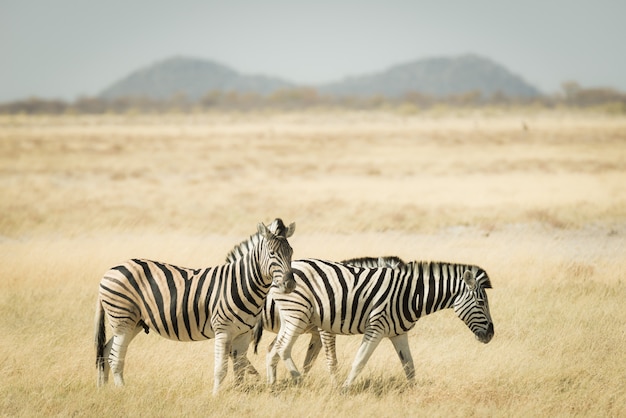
[436, 76]
[192, 76]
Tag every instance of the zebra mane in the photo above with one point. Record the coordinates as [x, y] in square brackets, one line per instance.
[388, 261]
[277, 227]
[481, 275]
[243, 248]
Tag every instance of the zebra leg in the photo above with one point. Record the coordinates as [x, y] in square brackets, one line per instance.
[271, 362]
[244, 362]
[270, 366]
[240, 360]
[271, 345]
[222, 351]
[247, 365]
[116, 352]
[282, 349]
[315, 344]
[328, 341]
[401, 344]
[367, 347]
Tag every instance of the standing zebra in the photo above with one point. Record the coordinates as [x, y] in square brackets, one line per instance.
[190, 305]
[270, 319]
[378, 302]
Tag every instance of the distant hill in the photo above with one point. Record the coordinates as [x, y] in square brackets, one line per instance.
[437, 77]
[193, 77]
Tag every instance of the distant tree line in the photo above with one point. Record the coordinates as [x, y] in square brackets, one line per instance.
[573, 95]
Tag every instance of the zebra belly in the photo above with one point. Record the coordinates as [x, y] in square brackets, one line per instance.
[341, 326]
[381, 319]
[179, 330]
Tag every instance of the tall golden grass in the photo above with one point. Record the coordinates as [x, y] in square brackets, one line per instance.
[537, 199]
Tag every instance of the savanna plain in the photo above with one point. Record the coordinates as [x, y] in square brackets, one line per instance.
[535, 197]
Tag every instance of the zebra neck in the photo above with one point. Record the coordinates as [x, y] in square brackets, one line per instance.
[248, 269]
[433, 287]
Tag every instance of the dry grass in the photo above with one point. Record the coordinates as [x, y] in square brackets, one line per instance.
[542, 209]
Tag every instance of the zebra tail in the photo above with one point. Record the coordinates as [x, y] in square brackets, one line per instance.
[100, 335]
[257, 333]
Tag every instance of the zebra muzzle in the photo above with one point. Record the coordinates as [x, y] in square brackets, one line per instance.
[485, 337]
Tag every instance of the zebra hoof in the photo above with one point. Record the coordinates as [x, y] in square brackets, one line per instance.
[296, 378]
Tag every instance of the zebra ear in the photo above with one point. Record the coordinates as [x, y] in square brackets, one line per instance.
[291, 229]
[263, 231]
[469, 280]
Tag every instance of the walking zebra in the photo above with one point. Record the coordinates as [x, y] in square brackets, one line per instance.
[378, 302]
[183, 304]
[270, 320]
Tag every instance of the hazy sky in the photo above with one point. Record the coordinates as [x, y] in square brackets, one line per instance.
[67, 48]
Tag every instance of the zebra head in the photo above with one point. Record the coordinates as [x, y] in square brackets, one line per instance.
[472, 306]
[276, 254]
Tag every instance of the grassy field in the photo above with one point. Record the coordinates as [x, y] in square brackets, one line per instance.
[538, 199]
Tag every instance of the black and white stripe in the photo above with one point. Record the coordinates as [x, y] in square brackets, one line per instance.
[377, 302]
[184, 304]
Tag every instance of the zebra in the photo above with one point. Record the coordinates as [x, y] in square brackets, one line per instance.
[270, 320]
[377, 302]
[184, 304]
